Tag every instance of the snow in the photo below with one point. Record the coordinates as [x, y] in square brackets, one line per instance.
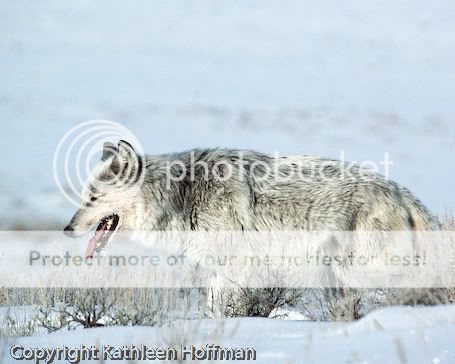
[293, 77]
[391, 335]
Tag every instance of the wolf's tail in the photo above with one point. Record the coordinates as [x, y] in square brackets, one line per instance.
[420, 218]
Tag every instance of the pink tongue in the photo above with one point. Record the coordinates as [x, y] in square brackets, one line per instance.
[92, 244]
[90, 249]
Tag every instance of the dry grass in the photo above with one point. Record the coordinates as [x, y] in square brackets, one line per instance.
[448, 221]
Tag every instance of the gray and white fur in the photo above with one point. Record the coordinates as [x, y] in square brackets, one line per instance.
[324, 195]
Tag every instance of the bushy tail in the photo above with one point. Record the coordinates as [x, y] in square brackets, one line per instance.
[420, 218]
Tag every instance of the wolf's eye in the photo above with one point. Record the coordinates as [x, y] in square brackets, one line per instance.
[93, 199]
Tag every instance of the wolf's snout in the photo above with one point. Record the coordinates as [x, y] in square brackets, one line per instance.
[69, 231]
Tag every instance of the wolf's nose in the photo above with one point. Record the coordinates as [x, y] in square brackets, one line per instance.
[69, 231]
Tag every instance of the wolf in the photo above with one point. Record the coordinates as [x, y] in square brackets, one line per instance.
[238, 191]
[235, 190]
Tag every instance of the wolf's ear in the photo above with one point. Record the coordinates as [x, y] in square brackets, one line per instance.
[126, 152]
[109, 150]
[126, 160]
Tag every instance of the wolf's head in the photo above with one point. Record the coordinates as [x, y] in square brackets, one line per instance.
[108, 198]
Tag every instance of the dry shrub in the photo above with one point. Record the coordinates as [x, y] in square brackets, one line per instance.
[67, 309]
[85, 308]
[421, 296]
[258, 302]
[2, 296]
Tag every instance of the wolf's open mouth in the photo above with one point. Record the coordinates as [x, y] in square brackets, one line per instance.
[103, 232]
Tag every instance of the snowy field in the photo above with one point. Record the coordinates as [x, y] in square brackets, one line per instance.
[294, 77]
[394, 335]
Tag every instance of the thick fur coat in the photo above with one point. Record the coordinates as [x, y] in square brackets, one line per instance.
[222, 189]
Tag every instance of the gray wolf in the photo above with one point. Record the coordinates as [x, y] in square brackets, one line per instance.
[234, 190]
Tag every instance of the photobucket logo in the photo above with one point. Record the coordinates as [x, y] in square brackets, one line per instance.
[224, 166]
[78, 154]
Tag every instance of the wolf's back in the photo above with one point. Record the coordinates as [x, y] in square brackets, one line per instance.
[299, 193]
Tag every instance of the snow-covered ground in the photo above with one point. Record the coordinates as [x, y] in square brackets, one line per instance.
[297, 77]
[393, 335]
